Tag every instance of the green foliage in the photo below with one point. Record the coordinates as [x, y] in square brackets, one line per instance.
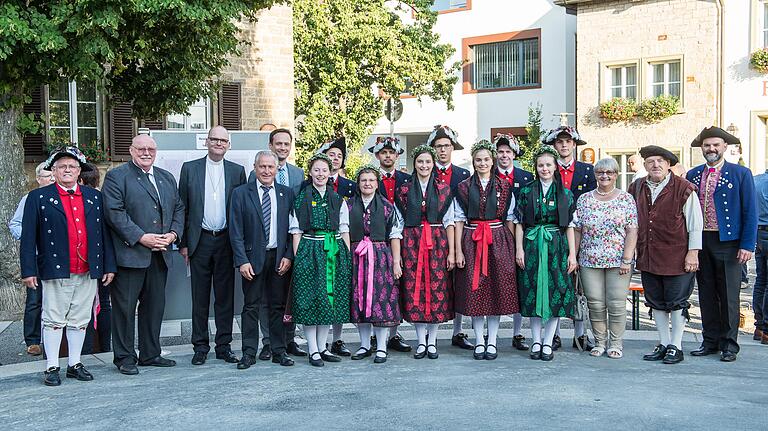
[658, 108]
[618, 109]
[94, 151]
[532, 141]
[345, 51]
[29, 124]
[160, 54]
[759, 60]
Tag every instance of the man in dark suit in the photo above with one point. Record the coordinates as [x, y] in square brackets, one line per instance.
[727, 197]
[146, 217]
[445, 140]
[65, 244]
[262, 253]
[579, 178]
[205, 187]
[280, 143]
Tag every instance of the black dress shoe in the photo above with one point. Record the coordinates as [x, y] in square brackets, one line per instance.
[673, 356]
[557, 342]
[329, 357]
[397, 344]
[282, 359]
[422, 354]
[584, 342]
[227, 356]
[727, 356]
[79, 372]
[339, 348]
[537, 354]
[479, 356]
[704, 351]
[380, 359]
[199, 358]
[432, 355]
[246, 361]
[316, 362]
[51, 377]
[266, 353]
[491, 356]
[158, 362]
[293, 349]
[658, 354]
[374, 342]
[362, 353]
[128, 369]
[461, 341]
[547, 356]
[518, 342]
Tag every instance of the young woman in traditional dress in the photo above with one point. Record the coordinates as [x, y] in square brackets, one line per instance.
[322, 274]
[375, 229]
[428, 255]
[486, 287]
[546, 252]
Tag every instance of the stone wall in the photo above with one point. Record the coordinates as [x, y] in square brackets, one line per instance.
[642, 30]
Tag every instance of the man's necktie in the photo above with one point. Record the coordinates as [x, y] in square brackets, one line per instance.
[266, 210]
[281, 177]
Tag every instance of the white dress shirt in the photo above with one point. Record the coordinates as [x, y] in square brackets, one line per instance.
[272, 240]
[215, 201]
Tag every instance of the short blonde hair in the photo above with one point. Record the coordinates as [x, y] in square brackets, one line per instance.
[40, 168]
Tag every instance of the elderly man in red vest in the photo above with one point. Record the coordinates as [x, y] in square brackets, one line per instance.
[668, 243]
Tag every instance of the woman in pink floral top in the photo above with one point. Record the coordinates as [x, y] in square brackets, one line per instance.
[606, 234]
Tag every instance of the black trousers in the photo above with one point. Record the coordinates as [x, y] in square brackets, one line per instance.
[212, 264]
[719, 280]
[290, 328]
[145, 286]
[104, 325]
[667, 292]
[267, 287]
[33, 314]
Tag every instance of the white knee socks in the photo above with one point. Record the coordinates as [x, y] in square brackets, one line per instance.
[662, 325]
[536, 333]
[432, 335]
[517, 322]
[322, 336]
[75, 340]
[678, 327]
[365, 330]
[493, 329]
[381, 334]
[478, 325]
[310, 331]
[457, 324]
[421, 335]
[52, 343]
[549, 332]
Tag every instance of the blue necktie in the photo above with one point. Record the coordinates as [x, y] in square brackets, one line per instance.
[281, 179]
[266, 210]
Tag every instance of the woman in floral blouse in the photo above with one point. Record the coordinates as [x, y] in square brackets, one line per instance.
[606, 233]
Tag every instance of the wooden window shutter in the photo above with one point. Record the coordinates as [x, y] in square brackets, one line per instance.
[229, 106]
[34, 145]
[120, 131]
[158, 124]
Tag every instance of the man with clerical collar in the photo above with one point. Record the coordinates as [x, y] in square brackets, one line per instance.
[205, 187]
[726, 192]
[669, 239]
[579, 178]
[444, 140]
[66, 250]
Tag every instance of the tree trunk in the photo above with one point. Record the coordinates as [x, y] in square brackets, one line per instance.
[14, 186]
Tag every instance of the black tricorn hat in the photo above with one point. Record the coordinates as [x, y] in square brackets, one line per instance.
[339, 143]
[715, 132]
[72, 152]
[655, 150]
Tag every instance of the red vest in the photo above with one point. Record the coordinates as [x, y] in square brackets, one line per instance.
[72, 203]
[389, 186]
[445, 177]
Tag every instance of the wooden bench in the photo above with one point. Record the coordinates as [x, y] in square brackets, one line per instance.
[636, 290]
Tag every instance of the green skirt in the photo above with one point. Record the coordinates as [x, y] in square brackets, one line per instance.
[555, 297]
[318, 295]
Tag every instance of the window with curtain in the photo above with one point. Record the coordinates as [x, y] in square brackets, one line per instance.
[508, 64]
[666, 78]
[624, 81]
[73, 113]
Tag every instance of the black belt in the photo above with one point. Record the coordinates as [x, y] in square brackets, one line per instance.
[215, 232]
[765, 227]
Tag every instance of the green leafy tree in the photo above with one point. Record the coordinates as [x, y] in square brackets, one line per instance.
[533, 137]
[347, 50]
[162, 55]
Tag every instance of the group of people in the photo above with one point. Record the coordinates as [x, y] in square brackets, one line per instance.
[385, 246]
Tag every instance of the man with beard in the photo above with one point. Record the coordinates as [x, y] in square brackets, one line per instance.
[727, 196]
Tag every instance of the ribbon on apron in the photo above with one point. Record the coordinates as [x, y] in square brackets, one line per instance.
[331, 248]
[365, 250]
[542, 236]
[482, 237]
[422, 268]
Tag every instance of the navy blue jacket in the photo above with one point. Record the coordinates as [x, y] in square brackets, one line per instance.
[44, 248]
[400, 179]
[347, 188]
[736, 220]
[521, 179]
[457, 175]
[583, 179]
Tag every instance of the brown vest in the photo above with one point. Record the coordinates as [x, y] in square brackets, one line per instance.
[662, 241]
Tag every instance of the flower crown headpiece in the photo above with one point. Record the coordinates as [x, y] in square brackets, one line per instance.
[423, 149]
[483, 144]
[368, 167]
[546, 149]
[319, 156]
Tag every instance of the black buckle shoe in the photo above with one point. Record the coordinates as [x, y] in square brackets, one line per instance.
[316, 362]
[479, 356]
[51, 377]
[537, 354]
[557, 342]
[491, 356]
[380, 359]
[228, 356]
[422, 354]
[329, 357]
[518, 342]
[673, 356]
[361, 353]
[547, 356]
[432, 355]
[339, 348]
[266, 353]
[79, 372]
[658, 354]
[293, 349]
[199, 358]
[397, 344]
[461, 340]
[246, 361]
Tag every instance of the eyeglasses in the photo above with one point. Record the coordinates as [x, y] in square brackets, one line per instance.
[218, 141]
[605, 173]
[145, 150]
[65, 167]
[443, 146]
